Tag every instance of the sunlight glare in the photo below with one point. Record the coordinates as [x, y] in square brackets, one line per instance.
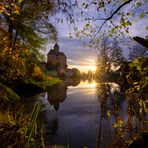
[85, 66]
[86, 84]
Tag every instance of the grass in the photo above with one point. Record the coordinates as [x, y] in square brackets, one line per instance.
[13, 126]
[20, 129]
[32, 130]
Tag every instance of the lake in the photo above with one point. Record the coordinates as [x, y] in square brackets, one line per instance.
[87, 114]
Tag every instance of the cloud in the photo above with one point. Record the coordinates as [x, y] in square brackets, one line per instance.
[82, 62]
[77, 55]
[139, 27]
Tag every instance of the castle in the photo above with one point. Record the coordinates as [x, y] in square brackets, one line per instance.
[57, 61]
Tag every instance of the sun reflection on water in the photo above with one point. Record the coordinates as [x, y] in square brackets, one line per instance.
[87, 84]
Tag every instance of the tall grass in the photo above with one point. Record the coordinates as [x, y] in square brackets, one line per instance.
[19, 129]
[13, 126]
[32, 130]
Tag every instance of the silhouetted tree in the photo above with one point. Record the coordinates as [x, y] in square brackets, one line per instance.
[109, 58]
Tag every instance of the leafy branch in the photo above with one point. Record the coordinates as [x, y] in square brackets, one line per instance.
[110, 17]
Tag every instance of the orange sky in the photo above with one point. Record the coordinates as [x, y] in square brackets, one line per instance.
[85, 66]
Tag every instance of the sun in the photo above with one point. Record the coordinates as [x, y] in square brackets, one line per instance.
[91, 68]
[85, 66]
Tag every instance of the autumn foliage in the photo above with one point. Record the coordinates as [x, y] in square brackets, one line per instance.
[19, 61]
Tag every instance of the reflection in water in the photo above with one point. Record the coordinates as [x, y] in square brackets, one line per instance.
[49, 119]
[110, 100]
[57, 94]
[86, 84]
[92, 115]
[72, 81]
[119, 117]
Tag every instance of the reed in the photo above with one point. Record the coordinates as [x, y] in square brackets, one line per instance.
[20, 129]
[32, 130]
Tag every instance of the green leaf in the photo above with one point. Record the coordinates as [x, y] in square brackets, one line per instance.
[110, 35]
[87, 25]
[139, 4]
[142, 15]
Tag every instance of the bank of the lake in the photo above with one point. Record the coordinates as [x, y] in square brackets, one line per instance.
[19, 124]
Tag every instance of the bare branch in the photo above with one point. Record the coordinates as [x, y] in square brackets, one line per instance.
[101, 27]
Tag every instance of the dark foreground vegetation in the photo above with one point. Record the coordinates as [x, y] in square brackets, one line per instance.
[21, 71]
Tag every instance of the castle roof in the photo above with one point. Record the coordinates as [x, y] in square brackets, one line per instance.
[53, 52]
[56, 46]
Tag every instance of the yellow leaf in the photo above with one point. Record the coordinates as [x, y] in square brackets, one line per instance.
[115, 125]
[108, 114]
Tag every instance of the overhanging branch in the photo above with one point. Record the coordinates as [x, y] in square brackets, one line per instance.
[115, 12]
[127, 2]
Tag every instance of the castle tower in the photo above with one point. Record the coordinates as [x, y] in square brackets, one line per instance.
[56, 48]
[57, 61]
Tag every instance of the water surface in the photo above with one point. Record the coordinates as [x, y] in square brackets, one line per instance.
[84, 115]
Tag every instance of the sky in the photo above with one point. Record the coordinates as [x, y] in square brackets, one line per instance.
[84, 58]
[78, 56]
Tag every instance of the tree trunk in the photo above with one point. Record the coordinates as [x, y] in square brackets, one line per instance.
[141, 41]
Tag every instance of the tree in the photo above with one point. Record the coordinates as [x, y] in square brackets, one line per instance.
[90, 75]
[137, 78]
[24, 28]
[12, 64]
[27, 22]
[109, 58]
[113, 16]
